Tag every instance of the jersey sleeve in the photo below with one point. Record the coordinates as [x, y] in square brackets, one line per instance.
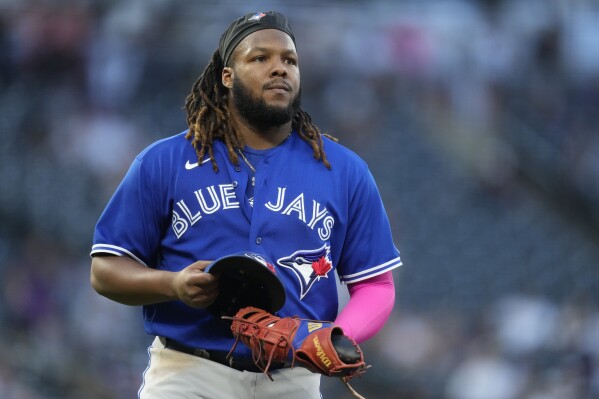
[129, 225]
[368, 250]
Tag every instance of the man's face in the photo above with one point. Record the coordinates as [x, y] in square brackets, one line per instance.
[265, 79]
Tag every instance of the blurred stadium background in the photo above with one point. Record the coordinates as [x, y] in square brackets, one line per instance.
[479, 120]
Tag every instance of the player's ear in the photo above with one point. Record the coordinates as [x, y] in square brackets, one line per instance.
[227, 77]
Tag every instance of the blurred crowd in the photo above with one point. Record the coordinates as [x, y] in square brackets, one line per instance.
[524, 347]
[478, 120]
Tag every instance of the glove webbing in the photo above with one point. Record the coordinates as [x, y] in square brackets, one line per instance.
[255, 341]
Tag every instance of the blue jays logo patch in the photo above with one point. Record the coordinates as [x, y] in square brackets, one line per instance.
[309, 266]
[260, 259]
[257, 16]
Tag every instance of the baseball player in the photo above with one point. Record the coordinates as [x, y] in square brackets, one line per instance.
[251, 173]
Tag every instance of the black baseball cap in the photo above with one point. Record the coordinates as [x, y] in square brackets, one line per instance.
[246, 279]
[247, 24]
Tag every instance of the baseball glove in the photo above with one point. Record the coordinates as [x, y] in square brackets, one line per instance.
[319, 346]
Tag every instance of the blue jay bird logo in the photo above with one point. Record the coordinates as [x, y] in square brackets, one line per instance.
[257, 16]
[309, 266]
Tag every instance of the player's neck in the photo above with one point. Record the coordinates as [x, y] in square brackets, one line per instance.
[262, 138]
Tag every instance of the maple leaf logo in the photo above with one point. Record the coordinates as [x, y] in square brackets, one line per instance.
[321, 267]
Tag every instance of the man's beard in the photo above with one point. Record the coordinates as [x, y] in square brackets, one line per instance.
[257, 112]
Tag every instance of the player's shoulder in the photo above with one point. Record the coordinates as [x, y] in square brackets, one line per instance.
[168, 145]
[339, 154]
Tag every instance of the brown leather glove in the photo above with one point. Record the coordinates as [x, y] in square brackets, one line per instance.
[319, 346]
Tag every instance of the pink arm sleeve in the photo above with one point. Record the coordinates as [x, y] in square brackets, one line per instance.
[369, 307]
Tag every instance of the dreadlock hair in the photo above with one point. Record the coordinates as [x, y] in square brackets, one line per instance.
[208, 119]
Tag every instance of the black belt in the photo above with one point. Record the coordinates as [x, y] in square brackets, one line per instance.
[241, 364]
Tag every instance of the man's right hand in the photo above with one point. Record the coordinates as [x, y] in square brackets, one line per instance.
[194, 287]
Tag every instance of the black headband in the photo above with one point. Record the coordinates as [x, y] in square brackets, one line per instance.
[247, 24]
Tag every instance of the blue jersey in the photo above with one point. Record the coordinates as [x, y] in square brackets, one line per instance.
[309, 221]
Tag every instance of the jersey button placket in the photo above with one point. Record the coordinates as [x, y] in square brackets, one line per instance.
[260, 182]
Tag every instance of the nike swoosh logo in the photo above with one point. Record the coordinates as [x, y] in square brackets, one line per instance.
[190, 166]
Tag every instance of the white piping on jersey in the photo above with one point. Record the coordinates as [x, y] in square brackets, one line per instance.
[384, 265]
[345, 282]
[106, 251]
[98, 248]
